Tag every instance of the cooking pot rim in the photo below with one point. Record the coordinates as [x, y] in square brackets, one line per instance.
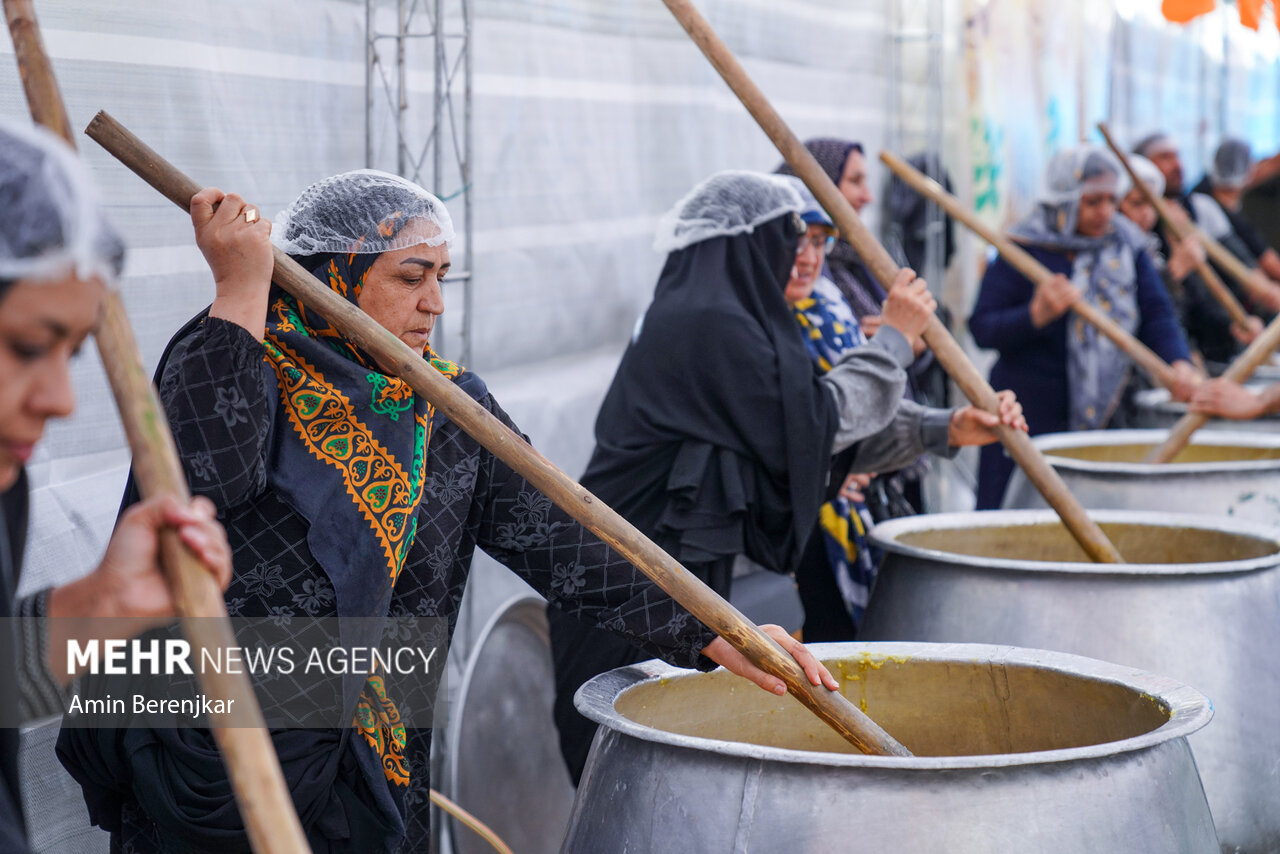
[885, 535]
[1160, 399]
[1050, 442]
[1189, 709]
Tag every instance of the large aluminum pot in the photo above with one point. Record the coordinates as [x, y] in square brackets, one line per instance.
[503, 756]
[1218, 474]
[1199, 602]
[1154, 410]
[1266, 373]
[1016, 751]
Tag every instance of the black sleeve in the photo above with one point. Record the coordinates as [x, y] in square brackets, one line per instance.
[574, 570]
[39, 694]
[1248, 234]
[1205, 321]
[215, 392]
[841, 468]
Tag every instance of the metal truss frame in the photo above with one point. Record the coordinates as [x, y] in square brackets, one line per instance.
[427, 139]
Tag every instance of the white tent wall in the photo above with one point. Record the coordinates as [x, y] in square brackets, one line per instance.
[1251, 88]
[591, 117]
[1037, 76]
[1170, 78]
[241, 96]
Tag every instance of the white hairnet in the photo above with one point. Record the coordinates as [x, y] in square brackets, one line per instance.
[365, 211]
[1148, 173]
[727, 203]
[1075, 172]
[1232, 163]
[51, 218]
[812, 212]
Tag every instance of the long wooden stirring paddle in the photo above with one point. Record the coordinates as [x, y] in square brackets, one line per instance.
[397, 358]
[1254, 355]
[945, 348]
[1176, 233]
[1022, 261]
[252, 765]
[1239, 371]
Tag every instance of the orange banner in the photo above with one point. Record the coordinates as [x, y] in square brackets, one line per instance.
[1250, 13]
[1183, 11]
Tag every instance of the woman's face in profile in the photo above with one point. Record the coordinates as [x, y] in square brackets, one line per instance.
[42, 326]
[854, 185]
[1139, 211]
[808, 266]
[402, 290]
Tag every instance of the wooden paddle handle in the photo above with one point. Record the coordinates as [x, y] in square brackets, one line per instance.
[44, 98]
[1176, 233]
[261, 793]
[1253, 356]
[397, 358]
[1239, 371]
[243, 739]
[1022, 261]
[1225, 258]
[945, 349]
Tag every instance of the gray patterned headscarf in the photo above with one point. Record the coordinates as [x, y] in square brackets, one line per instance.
[1104, 269]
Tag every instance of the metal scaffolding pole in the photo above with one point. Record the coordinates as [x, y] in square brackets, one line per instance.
[916, 83]
[414, 129]
[916, 123]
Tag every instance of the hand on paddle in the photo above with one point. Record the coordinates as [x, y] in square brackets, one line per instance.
[722, 653]
[908, 308]
[128, 592]
[236, 242]
[1186, 379]
[1263, 290]
[1226, 399]
[854, 484]
[1052, 299]
[974, 426]
[1187, 254]
[1251, 330]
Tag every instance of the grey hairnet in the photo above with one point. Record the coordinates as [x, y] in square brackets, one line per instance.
[1155, 143]
[51, 218]
[1148, 173]
[727, 203]
[1075, 172]
[1232, 163]
[361, 212]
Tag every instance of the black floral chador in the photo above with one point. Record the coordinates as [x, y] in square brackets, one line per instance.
[312, 536]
